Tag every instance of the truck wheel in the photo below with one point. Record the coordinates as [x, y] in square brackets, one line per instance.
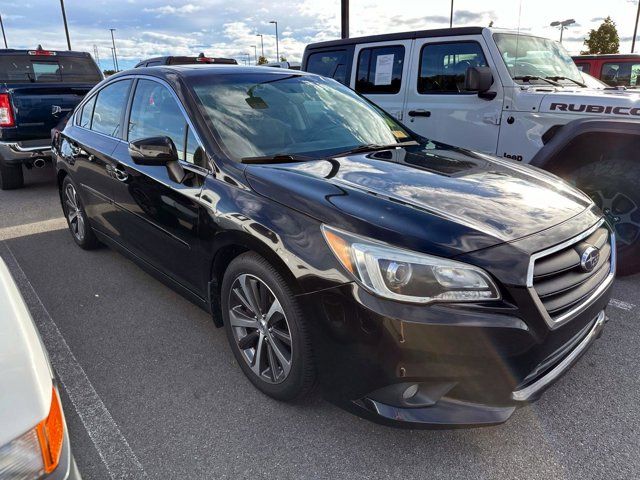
[613, 186]
[11, 176]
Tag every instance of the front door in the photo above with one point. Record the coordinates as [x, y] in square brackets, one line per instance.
[158, 217]
[437, 105]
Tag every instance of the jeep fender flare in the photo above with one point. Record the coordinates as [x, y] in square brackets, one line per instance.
[567, 135]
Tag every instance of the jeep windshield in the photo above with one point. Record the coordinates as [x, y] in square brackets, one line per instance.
[535, 60]
[280, 115]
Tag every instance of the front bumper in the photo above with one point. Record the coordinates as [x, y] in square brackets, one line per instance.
[471, 365]
[17, 153]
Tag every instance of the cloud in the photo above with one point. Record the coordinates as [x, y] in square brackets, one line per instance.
[171, 10]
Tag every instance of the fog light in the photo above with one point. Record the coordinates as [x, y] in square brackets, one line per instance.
[410, 391]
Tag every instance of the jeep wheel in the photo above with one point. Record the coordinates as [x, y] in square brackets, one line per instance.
[11, 176]
[613, 186]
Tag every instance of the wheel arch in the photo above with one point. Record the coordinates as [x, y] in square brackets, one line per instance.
[586, 141]
[227, 247]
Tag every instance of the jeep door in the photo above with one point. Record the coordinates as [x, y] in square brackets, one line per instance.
[438, 107]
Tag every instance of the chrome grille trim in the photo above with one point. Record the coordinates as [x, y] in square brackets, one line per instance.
[572, 313]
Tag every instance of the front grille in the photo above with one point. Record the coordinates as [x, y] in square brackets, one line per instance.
[560, 282]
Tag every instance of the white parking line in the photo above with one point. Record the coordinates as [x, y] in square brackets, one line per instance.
[112, 446]
[622, 305]
[7, 233]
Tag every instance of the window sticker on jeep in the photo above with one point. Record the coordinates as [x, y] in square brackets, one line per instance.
[384, 69]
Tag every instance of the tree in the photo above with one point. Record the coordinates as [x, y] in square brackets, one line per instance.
[603, 40]
[262, 60]
[108, 73]
[491, 24]
[283, 58]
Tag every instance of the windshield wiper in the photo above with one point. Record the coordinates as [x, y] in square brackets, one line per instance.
[372, 147]
[528, 78]
[277, 158]
[556, 78]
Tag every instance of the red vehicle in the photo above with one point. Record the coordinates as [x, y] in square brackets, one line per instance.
[615, 70]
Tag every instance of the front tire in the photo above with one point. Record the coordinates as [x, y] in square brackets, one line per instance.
[77, 219]
[613, 186]
[11, 176]
[266, 329]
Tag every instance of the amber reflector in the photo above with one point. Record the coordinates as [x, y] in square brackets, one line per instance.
[51, 434]
[341, 248]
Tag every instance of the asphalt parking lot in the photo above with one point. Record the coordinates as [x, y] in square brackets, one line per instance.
[151, 389]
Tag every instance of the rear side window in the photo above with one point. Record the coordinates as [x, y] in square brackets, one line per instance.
[443, 66]
[380, 70]
[621, 74]
[329, 64]
[41, 69]
[110, 104]
[87, 113]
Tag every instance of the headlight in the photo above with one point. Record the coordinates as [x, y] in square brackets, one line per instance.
[38, 451]
[408, 276]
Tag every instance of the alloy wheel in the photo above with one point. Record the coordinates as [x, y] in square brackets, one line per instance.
[260, 329]
[74, 212]
[622, 212]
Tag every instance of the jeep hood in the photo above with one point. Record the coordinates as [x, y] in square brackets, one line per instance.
[583, 101]
[430, 196]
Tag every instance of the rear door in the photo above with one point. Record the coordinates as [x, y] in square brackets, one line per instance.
[380, 72]
[437, 106]
[158, 218]
[45, 88]
[88, 143]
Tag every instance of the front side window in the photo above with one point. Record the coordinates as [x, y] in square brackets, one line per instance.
[329, 64]
[286, 114]
[110, 105]
[584, 67]
[443, 66]
[380, 70]
[155, 113]
[621, 74]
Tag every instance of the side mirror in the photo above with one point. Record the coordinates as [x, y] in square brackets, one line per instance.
[158, 151]
[479, 79]
[153, 151]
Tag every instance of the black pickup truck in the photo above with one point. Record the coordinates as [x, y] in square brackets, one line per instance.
[38, 88]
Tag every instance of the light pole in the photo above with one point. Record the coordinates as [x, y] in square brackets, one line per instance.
[64, 19]
[344, 22]
[277, 47]
[261, 43]
[255, 53]
[115, 53]
[564, 24]
[248, 59]
[635, 30]
[451, 16]
[3, 35]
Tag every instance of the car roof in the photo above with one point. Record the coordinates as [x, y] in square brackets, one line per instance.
[608, 55]
[59, 53]
[187, 71]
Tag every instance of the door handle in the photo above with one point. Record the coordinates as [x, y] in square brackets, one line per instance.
[119, 174]
[419, 113]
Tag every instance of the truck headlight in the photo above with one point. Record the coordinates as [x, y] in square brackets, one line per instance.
[407, 276]
[38, 451]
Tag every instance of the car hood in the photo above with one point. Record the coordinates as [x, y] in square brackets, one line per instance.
[611, 103]
[428, 196]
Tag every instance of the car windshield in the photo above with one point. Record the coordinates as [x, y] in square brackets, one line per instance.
[270, 114]
[536, 57]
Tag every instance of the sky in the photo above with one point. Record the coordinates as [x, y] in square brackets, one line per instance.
[146, 28]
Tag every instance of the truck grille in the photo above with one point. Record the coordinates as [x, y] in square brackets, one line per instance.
[563, 284]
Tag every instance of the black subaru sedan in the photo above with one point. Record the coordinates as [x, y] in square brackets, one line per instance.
[416, 283]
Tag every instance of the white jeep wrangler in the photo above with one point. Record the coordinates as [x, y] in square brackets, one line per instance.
[512, 95]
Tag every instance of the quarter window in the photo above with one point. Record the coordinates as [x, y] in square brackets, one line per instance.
[155, 113]
[621, 74]
[87, 112]
[329, 64]
[380, 70]
[443, 66]
[109, 107]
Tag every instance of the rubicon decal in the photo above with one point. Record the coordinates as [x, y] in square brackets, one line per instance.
[600, 109]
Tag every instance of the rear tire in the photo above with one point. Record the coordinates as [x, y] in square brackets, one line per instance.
[614, 187]
[274, 335]
[77, 219]
[11, 176]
